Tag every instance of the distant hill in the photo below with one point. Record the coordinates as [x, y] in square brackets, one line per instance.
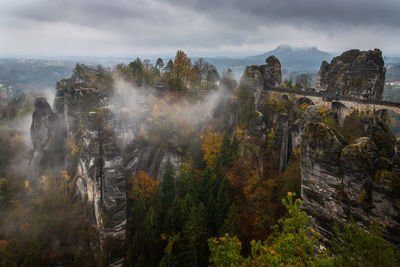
[292, 60]
[33, 74]
[392, 72]
[391, 60]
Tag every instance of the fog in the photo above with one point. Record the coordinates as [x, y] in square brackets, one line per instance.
[139, 103]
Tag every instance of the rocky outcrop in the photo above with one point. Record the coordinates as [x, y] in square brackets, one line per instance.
[42, 127]
[47, 134]
[261, 78]
[102, 147]
[354, 73]
[264, 77]
[272, 73]
[342, 181]
[321, 180]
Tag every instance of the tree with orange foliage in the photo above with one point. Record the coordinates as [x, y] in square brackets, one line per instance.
[144, 185]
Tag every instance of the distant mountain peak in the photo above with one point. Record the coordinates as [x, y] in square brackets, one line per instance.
[289, 48]
[292, 59]
[283, 47]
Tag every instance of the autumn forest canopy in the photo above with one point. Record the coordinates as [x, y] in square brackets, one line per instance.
[170, 163]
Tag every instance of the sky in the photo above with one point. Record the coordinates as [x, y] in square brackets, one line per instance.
[201, 28]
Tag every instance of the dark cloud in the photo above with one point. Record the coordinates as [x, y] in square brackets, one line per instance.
[307, 12]
[207, 26]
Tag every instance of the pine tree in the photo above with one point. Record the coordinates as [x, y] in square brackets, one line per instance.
[196, 234]
[226, 154]
[224, 201]
[358, 247]
[168, 186]
[231, 222]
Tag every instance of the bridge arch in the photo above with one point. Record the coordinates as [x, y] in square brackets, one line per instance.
[301, 101]
[340, 110]
[382, 113]
[338, 106]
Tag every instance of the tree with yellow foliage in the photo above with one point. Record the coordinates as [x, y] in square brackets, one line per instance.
[211, 147]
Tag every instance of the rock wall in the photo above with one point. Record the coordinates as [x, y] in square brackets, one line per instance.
[354, 73]
[101, 147]
[341, 179]
[43, 131]
[359, 180]
[262, 78]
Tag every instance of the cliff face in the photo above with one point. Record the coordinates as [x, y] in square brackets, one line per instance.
[341, 180]
[46, 134]
[101, 146]
[264, 77]
[354, 73]
[342, 177]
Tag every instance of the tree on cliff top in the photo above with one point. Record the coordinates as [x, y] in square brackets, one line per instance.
[182, 64]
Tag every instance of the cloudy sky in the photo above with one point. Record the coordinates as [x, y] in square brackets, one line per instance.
[201, 28]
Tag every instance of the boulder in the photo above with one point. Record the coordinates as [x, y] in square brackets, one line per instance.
[272, 73]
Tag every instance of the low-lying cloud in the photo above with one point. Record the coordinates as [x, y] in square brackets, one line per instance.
[138, 104]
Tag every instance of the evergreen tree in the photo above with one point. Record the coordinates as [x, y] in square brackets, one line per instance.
[137, 228]
[174, 217]
[168, 186]
[231, 222]
[226, 154]
[224, 201]
[196, 234]
[357, 247]
[153, 237]
[137, 70]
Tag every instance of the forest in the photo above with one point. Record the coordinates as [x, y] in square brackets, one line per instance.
[219, 207]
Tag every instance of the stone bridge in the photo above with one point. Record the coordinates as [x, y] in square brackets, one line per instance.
[344, 104]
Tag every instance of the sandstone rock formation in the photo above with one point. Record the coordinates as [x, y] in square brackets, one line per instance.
[272, 73]
[46, 135]
[262, 78]
[102, 149]
[354, 73]
[341, 180]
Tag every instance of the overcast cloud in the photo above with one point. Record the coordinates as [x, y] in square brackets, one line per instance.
[202, 28]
